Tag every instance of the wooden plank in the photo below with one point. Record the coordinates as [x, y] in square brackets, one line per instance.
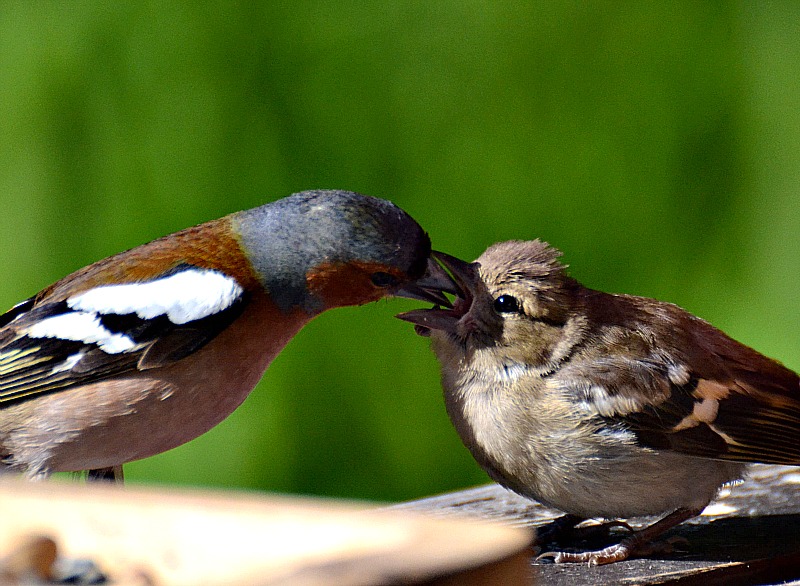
[163, 537]
[749, 535]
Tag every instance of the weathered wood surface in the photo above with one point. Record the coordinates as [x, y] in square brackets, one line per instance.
[749, 535]
[150, 537]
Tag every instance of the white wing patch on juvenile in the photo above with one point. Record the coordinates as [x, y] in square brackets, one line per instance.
[69, 363]
[183, 297]
[81, 327]
[598, 401]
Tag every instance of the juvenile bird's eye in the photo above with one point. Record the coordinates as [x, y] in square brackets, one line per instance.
[506, 304]
[381, 279]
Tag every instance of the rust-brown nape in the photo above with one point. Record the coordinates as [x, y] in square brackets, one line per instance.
[339, 284]
[212, 245]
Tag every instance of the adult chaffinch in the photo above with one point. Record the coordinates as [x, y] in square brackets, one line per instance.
[145, 350]
[602, 405]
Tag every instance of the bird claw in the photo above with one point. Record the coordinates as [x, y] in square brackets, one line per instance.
[613, 553]
[632, 546]
[639, 543]
[564, 527]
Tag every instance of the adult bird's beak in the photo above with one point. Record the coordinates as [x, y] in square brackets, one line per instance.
[462, 282]
[431, 286]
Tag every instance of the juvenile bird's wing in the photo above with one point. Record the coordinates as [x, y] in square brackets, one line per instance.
[48, 345]
[690, 388]
[753, 402]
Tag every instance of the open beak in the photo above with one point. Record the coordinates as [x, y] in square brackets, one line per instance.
[431, 286]
[444, 316]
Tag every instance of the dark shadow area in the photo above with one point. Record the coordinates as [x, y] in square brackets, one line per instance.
[764, 549]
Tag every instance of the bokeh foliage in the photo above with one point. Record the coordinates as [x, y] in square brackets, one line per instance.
[657, 144]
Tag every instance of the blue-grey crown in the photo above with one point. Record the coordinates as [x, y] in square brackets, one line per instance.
[287, 237]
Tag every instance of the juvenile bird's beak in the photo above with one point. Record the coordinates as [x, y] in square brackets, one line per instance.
[462, 282]
[464, 274]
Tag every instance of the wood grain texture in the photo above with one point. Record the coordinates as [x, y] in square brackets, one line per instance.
[165, 537]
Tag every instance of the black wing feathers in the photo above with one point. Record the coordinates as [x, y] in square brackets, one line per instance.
[30, 366]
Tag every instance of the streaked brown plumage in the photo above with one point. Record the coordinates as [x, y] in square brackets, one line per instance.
[602, 405]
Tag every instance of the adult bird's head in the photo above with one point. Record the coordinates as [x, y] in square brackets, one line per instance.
[331, 249]
[145, 350]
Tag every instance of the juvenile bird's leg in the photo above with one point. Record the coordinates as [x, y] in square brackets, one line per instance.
[639, 542]
[565, 529]
[557, 529]
[110, 474]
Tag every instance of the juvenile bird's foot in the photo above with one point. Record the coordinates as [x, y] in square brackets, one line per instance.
[613, 553]
[627, 548]
[639, 543]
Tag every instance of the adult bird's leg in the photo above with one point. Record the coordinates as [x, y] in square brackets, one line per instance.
[110, 474]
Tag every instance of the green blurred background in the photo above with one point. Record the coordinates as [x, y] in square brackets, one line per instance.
[657, 144]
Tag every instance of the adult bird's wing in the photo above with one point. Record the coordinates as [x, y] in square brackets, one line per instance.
[49, 345]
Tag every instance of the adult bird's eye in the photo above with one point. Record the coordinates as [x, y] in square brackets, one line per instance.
[506, 304]
[381, 279]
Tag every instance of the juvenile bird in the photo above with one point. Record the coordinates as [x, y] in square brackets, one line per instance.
[602, 405]
[145, 350]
